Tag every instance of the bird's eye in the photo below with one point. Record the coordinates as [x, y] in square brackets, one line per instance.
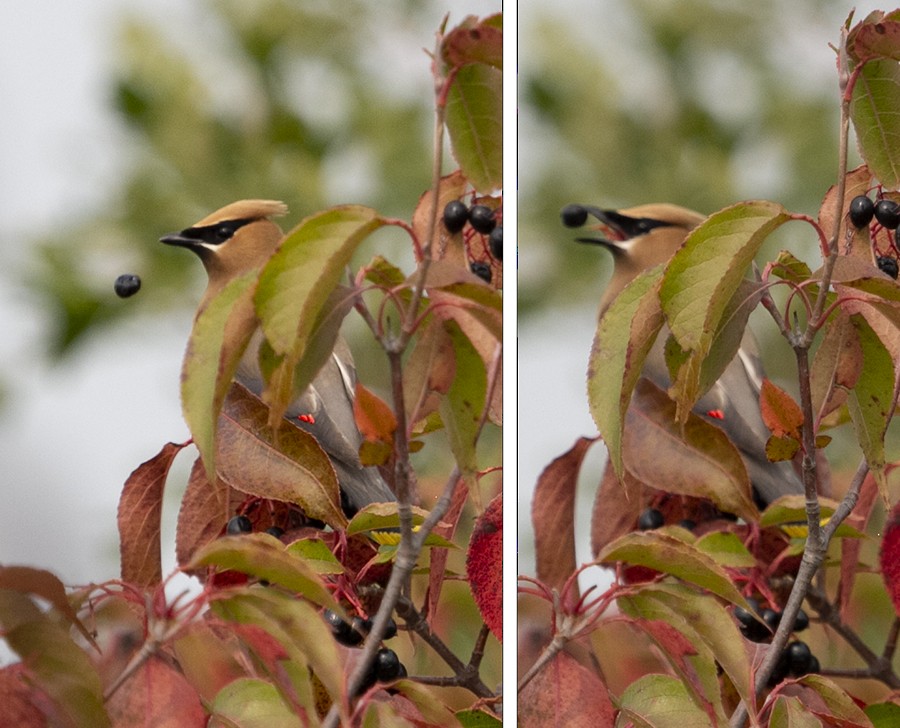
[223, 232]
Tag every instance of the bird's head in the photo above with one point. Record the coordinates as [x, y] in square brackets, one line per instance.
[234, 240]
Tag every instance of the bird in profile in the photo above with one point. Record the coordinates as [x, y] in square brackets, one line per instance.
[240, 238]
[642, 237]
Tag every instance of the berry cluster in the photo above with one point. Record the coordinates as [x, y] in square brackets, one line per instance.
[386, 666]
[481, 219]
[887, 214]
[797, 659]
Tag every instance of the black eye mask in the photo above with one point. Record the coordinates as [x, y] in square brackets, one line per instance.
[215, 234]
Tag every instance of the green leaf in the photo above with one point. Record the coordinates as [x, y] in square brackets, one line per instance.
[671, 556]
[252, 703]
[294, 297]
[700, 281]
[839, 703]
[870, 400]
[462, 408]
[477, 719]
[474, 117]
[727, 550]
[315, 552]
[262, 557]
[793, 712]
[220, 335]
[661, 701]
[625, 335]
[298, 628]
[382, 517]
[875, 113]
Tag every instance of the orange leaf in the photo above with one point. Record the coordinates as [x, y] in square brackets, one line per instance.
[780, 412]
[374, 417]
[484, 565]
[140, 516]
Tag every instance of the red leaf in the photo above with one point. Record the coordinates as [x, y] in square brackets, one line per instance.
[17, 697]
[484, 565]
[553, 515]
[851, 547]
[205, 509]
[437, 564]
[375, 419]
[565, 693]
[780, 412]
[156, 695]
[890, 557]
[140, 515]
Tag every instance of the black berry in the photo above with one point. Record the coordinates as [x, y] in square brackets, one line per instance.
[801, 621]
[391, 629]
[387, 665]
[750, 626]
[495, 241]
[482, 270]
[127, 285]
[575, 216]
[687, 523]
[275, 531]
[888, 265]
[862, 210]
[238, 525]
[887, 212]
[455, 216]
[650, 519]
[481, 217]
[361, 626]
[814, 665]
[342, 631]
[799, 658]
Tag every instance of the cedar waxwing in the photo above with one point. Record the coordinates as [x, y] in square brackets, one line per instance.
[235, 240]
[642, 237]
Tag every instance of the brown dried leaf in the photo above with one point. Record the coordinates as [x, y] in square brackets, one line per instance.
[553, 516]
[452, 187]
[140, 516]
[696, 459]
[285, 465]
[565, 693]
[851, 241]
[429, 371]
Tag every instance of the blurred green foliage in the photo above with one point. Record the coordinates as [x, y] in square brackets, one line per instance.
[697, 102]
[264, 98]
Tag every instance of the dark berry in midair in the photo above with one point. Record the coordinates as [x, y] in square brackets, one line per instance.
[481, 217]
[799, 658]
[862, 210]
[237, 525]
[650, 519]
[575, 216]
[127, 285]
[887, 212]
[481, 269]
[495, 241]
[888, 265]
[455, 216]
